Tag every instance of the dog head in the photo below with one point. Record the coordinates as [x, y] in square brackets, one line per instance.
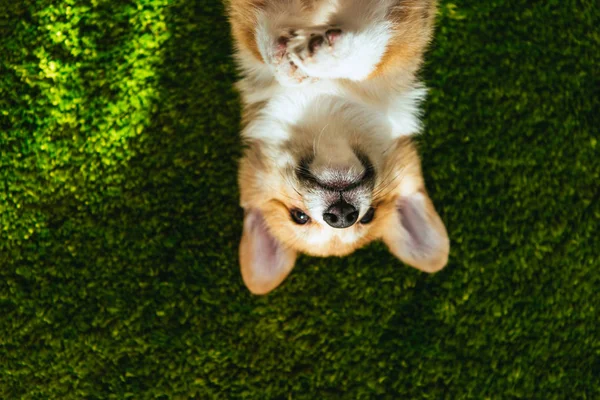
[326, 183]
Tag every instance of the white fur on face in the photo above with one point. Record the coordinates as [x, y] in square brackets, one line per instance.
[325, 234]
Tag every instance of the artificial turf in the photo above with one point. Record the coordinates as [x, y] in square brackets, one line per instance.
[119, 218]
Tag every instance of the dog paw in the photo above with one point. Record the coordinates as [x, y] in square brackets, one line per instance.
[318, 51]
[331, 53]
[305, 45]
[286, 71]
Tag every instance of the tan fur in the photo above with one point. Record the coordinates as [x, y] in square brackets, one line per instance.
[405, 155]
[413, 28]
[254, 282]
[242, 16]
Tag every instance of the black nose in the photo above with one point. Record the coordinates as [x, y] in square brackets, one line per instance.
[341, 215]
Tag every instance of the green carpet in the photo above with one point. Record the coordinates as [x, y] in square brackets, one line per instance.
[119, 218]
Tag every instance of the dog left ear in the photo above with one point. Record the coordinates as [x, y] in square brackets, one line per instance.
[265, 262]
[416, 234]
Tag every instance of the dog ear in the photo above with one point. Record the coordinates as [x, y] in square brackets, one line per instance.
[265, 262]
[416, 234]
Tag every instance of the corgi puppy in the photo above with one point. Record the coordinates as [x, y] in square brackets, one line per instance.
[330, 99]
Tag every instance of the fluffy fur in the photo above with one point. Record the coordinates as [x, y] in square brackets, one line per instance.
[330, 100]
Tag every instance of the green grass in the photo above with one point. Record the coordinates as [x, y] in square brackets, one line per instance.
[119, 222]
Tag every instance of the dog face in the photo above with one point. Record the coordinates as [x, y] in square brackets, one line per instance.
[333, 180]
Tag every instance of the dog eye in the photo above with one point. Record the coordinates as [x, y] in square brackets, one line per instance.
[299, 216]
[368, 217]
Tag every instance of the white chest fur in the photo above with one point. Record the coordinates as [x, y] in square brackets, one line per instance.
[288, 105]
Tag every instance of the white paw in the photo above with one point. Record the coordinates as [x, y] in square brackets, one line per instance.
[286, 71]
[319, 52]
[329, 52]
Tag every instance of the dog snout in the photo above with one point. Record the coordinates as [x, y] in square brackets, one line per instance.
[341, 215]
[340, 178]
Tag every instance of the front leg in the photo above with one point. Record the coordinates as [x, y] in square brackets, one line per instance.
[333, 53]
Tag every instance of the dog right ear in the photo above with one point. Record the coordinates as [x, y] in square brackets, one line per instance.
[416, 233]
[265, 262]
